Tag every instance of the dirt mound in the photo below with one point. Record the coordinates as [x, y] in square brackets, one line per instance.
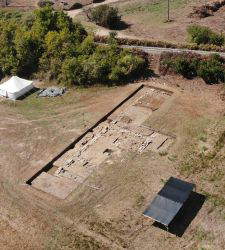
[207, 9]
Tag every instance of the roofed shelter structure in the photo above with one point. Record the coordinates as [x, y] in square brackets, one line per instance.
[169, 201]
[15, 87]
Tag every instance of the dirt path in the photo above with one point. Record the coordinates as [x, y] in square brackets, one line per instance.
[73, 13]
[105, 32]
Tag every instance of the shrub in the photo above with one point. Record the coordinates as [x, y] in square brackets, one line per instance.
[127, 67]
[185, 66]
[10, 14]
[44, 3]
[204, 35]
[212, 70]
[105, 16]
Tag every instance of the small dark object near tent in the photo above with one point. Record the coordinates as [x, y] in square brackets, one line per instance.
[169, 201]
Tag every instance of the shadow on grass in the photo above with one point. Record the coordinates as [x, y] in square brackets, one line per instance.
[98, 1]
[121, 25]
[185, 216]
[32, 91]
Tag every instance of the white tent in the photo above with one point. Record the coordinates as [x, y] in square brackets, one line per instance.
[15, 87]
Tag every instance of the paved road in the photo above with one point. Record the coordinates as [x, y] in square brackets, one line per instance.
[158, 50]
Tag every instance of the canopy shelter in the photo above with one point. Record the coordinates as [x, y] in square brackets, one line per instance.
[169, 201]
[15, 87]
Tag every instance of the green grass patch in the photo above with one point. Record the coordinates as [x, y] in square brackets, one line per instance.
[201, 235]
[34, 108]
[156, 7]
[217, 175]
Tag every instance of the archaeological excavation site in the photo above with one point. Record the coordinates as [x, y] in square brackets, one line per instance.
[121, 131]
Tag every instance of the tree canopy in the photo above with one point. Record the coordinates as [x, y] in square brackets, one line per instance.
[50, 45]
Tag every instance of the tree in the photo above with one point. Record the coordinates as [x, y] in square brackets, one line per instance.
[87, 47]
[28, 52]
[8, 59]
[49, 44]
[46, 20]
[127, 67]
[58, 47]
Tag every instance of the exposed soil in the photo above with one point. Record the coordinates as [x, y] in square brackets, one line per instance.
[153, 26]
[106, 212]
[120, 134]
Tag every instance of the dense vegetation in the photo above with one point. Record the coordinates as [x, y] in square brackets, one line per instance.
[105, 15]
[204, 35]
[211, 69]
[50, 45]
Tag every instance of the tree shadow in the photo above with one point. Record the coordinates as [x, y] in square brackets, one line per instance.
[98, 1]
[185, 216]
[121, 25]
[75, 6]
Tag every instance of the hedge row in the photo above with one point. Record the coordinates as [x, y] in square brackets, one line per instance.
[210, 68]
[162, 44]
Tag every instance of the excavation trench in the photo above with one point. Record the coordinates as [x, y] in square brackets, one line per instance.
[119, 131]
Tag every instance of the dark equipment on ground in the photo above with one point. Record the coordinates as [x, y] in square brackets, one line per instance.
[51, 92]
[169, 201]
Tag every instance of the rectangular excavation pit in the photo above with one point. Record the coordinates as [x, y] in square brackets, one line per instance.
[59, 187]
[120, 131]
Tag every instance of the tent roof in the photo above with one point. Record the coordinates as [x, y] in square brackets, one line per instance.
[15, 84]
[169, 200]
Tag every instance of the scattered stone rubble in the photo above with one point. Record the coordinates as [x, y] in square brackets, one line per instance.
[113, 138]
[51, 92]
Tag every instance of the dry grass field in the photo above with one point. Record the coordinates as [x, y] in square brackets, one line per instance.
[109, 216]
[106, 210]
[146, 19]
